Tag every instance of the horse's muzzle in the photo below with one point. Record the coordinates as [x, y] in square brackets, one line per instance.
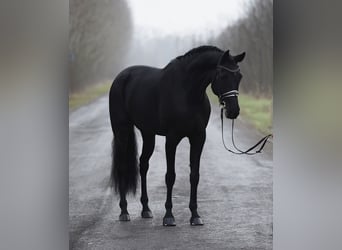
[231, 107]
[230, 114]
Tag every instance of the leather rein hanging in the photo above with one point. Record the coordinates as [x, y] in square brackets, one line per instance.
[234, 93]
[239, 151]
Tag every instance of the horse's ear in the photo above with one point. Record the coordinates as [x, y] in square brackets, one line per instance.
[240, 57]
[225, 56]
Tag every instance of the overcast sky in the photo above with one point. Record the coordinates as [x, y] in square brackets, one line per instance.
[184, 17]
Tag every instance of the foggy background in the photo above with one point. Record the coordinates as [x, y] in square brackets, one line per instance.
[107, 36]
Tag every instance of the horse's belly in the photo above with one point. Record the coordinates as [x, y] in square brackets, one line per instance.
[183, 125]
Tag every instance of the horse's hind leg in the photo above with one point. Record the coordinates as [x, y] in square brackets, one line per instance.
[147, 150]
[124, 216]
[170, 177]
[196, 146]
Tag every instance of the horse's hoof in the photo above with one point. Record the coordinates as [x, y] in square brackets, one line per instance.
[124, 217]
[169, 221]
[146, 214]
[197, 221]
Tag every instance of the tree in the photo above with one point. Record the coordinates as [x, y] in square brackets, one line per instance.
[100, 31]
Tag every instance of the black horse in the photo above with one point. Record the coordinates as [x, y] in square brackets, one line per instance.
[171, 102]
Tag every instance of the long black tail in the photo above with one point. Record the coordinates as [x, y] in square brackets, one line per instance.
[124, 175]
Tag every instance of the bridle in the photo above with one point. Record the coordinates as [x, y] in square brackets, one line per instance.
[231, 93]
[235, 93]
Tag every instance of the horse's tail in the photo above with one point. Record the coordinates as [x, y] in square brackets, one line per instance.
[124, 172]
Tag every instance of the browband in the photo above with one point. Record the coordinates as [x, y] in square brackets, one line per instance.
[228, 69]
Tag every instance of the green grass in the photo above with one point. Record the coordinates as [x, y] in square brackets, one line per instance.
[257, 111]
[88, 95]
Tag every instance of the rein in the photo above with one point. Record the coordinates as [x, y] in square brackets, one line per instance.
[239, 151]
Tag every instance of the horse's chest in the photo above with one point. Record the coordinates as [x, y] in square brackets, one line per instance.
[186, 119]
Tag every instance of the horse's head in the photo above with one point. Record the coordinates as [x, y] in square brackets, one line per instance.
[226, 83]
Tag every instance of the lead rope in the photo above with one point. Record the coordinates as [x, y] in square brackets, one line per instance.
[240, 152]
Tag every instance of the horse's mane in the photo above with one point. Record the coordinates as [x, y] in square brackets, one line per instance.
[199, 50]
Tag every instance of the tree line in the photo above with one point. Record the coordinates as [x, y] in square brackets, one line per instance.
[253, 34]
[101, 44]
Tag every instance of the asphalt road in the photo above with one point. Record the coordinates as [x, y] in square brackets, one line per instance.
[234, 193]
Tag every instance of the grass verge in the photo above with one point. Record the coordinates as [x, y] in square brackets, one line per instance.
[88, 95]
[258, 111]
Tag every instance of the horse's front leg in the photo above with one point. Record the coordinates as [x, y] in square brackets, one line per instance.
[170, 177]
[196, 146]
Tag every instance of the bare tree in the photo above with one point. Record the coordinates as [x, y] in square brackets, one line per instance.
[100, 31]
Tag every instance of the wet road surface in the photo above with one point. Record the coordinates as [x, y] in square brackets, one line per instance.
[234, 193]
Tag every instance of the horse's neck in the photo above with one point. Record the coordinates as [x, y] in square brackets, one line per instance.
[202, 71]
